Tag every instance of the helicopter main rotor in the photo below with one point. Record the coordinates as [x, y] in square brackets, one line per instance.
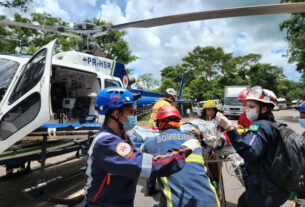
[89, 31]
[93, 31]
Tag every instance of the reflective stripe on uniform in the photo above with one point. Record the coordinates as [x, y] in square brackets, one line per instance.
[141, 148]
[167, 192]
[101, 187]
[195, 158]
[146, 165]
[89, 165]
[199, 158]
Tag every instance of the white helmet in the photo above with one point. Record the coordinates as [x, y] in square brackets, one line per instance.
[171, 92]
[262, 95]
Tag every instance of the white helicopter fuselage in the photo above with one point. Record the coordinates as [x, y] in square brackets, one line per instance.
[47, 89]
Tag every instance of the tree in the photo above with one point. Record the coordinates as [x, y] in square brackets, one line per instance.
[206, 61]
[146, 81]
[208, 70]
[21, 4]
[15, 39]
[295, 35]
[290, 90]
[8, 45]
[266, 75]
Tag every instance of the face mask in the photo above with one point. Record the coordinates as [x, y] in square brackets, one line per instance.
[302, 122]
[132, 121]
[251, 114]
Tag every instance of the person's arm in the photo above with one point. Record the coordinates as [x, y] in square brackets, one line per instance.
[250, 147]
[120, 158]
[240, 119]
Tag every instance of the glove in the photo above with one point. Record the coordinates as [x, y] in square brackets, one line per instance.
[192, 144]
[196, 133]
[223, 121]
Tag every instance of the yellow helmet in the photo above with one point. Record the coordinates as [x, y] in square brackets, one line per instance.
[209, 104]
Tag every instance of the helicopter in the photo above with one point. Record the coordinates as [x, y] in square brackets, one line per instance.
[46, 95]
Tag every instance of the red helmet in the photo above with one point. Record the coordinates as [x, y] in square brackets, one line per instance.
[243, 94]
[168, 112]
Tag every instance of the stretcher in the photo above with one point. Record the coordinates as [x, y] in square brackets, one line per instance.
[49, 140]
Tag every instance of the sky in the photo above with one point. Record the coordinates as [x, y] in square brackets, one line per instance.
[162, 46]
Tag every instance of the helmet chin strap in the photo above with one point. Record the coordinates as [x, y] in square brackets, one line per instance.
[118, 122]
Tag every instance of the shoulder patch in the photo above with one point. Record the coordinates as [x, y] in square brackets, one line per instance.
[253, 128]
[123, 149]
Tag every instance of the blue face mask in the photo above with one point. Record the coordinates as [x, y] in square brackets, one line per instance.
[302, 122]
[132, 122]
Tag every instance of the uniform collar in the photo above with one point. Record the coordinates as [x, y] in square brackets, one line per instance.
[266, 116]
[107, 129]
[171, 130]
[168, 100]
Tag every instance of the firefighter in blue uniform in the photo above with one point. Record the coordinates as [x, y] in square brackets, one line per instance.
[114, 165]
[259, 143]
[191, 185]
[301, 192]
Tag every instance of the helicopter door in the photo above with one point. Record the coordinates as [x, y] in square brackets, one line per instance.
[27, 105]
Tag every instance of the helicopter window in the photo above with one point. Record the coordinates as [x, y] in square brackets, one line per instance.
[19, 116]
[109, 82]
[8, 69]
[30, 75]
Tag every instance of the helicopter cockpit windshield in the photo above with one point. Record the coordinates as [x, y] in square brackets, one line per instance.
[8, 69]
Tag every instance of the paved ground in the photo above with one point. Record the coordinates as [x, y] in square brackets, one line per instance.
[10, 190]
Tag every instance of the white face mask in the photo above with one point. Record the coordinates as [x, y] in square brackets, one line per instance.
[251, 114]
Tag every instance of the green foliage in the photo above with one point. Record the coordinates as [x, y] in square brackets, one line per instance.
[146, 81]
[20, 4]
[208, 70]
[15, 39]
[295, 35]
[144, 117]
[266, 75]
[290, 90]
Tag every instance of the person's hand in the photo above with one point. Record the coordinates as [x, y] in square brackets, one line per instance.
[196, 132]
[223, 121]
[192, 144]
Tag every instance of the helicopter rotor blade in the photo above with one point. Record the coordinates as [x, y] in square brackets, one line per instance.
[62, 30]
[215, 14]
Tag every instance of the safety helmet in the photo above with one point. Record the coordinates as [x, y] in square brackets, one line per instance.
[171, 92]
[243, 94]
[168, 112]
[209, 104]
[302, 107]
[262, 95]
[112, 98]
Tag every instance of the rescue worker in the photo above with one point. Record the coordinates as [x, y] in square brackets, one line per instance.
[258, 144]
[243, 121]
[191, 185]
[302, 116]
[114, 165]
[301, 192]
[209, 111]
[168, 100]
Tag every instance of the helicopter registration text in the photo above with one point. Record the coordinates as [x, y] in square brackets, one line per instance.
[99, 63]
